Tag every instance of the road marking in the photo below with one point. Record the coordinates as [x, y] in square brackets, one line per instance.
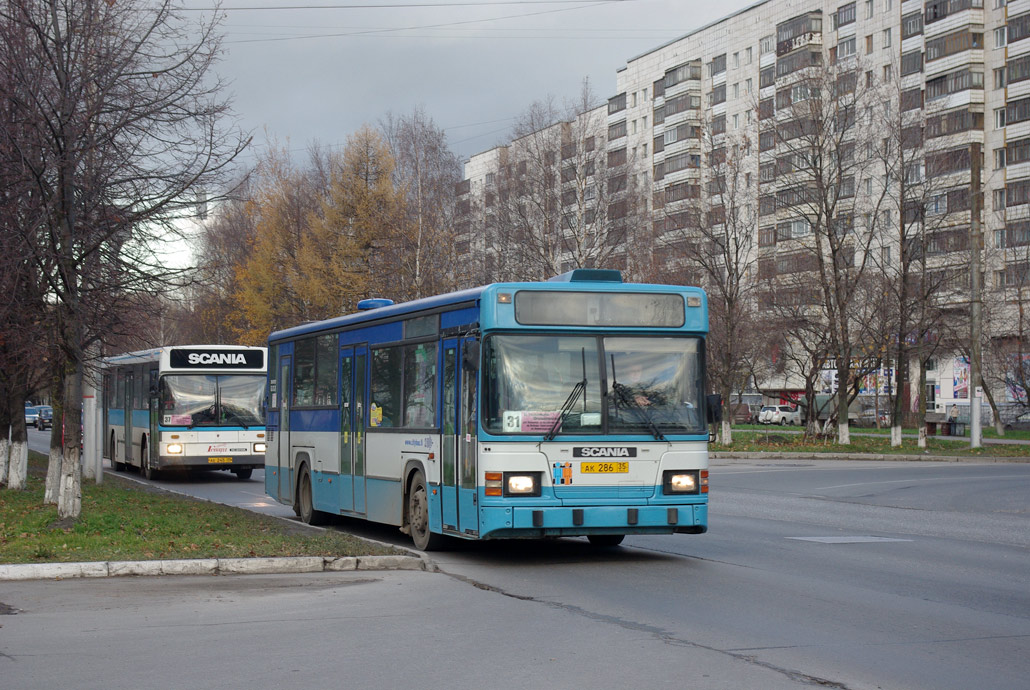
[846, 540]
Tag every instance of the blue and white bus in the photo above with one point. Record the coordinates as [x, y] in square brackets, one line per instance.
[190, 407]
[572, 407]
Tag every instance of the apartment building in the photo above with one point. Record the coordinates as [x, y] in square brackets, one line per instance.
[953, 76]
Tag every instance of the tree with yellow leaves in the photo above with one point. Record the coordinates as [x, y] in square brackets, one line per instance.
[317, 234]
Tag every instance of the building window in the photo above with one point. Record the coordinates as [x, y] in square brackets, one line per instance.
[999, 78]
[869, 44]
[886, 38]
[911, 62]
[999, 158]
[999, 37]
[717, 65]
[846, 48]
[616, 104]
[1018, 28]
[953, 43]
[911, 25]
[844, 15]
[999, 118]
[767, 45]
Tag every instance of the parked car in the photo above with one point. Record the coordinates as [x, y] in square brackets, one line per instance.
[780, 414]
[1020, 423]
[867, 418]
[741, 413]
[31, 412]
[44, 417]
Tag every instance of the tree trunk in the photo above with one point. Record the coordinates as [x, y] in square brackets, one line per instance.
[922, 403]
[5, 454]
[998, 425]
[843, 383]
[69, 499]
[18, 463]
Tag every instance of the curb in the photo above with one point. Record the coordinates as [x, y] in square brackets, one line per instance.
[212, 566]
[769, 455]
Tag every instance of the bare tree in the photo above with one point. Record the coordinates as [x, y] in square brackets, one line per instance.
[706, 230]
[822, 137]
[564, 196]
[120, 124]
[422, 249]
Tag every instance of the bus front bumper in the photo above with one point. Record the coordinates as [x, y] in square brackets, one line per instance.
[204, 462]
[535, 521]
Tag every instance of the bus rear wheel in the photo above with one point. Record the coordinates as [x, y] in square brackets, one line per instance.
[418, 515]
[606, 539]
[243, 474]
[305, 502]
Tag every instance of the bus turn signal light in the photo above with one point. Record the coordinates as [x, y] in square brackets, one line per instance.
[493, 483]
[704, 481]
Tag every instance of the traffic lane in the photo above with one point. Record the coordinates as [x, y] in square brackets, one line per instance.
[370, 629]
[976, 489]
[805, 610]
[824, 586]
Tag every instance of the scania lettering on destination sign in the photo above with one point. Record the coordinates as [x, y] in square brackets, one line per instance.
[193, 358]
[603, 452]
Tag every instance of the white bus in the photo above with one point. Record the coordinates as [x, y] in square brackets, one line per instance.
[191, 407]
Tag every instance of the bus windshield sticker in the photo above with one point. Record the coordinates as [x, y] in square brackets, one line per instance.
[175, 419]
[529, 422]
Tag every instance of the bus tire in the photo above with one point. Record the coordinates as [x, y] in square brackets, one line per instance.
[606, 539]
[418, 515]
[145, 468]
[118, 466]
[243, 474]
[305, 501]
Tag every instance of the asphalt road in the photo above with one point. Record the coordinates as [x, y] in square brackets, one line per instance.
[822, 573]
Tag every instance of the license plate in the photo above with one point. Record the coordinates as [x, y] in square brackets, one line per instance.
[604, 467]
[217, 460]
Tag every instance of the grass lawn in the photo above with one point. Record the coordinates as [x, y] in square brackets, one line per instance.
[773, 439]
[124, 521]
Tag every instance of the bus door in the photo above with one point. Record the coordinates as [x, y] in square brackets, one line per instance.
[360, 419]
[449, 440]
[346, 468]
[468, 509]
[127, 424]
[153, 445]
[285, 456]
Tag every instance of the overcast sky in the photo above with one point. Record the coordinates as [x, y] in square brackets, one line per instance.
[318, 69]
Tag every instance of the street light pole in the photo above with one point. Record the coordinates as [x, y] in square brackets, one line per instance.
[975, 305]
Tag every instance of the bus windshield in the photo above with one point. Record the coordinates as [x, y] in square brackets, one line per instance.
[535, 383]
[212, 400]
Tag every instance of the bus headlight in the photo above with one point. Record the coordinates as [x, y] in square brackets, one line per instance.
[521, 483]
[680, 482]
[259, 447]
[174, 449]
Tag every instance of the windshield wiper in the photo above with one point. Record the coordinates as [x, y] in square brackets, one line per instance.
[628, 400]
[579, 389]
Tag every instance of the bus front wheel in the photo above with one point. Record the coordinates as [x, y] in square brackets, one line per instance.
[145, 468]
[418, 515]
[606, 539]
[118, 466]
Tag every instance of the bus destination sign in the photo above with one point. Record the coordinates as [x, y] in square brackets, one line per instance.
[199, 358]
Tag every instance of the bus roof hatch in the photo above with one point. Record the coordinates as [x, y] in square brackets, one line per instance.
[588, 275]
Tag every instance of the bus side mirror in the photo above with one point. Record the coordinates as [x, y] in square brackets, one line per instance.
[714, 408]
[470, 356]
